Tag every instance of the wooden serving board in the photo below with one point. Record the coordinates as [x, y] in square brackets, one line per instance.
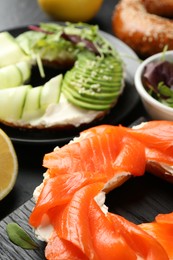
[138, 200]
[9, 251]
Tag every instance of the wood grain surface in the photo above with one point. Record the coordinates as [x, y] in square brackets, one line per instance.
[139, 200]
[9, 251]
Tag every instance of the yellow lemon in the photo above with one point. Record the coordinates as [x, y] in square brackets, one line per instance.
[71, 10]
[8, 165]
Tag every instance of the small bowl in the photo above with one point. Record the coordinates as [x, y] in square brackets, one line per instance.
[154, 108]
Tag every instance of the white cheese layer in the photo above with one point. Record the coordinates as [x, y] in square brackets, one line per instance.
[62, 114]
[44, 232]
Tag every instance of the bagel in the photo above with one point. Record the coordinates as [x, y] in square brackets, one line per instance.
[70, 200]
[160, 8]
[88, 82]
[144, 26]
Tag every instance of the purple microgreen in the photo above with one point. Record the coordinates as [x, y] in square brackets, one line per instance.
[76, 39]
[160, 71]
[158, 81]
[38, 29]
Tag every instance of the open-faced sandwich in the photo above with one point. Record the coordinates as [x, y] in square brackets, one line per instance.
[70, 212]
[89, 80]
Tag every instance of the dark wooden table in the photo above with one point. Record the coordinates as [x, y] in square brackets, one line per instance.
[135, 199]
[139, 200]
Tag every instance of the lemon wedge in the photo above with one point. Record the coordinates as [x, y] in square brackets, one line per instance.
[8, 165]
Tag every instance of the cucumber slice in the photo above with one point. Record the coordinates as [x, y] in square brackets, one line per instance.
[10, 76]
[11, 102]
[39, 98]
[31, 109]
[25, 69]
[51, 92]
[10, 51]
[15, 75]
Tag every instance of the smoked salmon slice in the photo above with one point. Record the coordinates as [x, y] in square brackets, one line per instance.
[107, 241]
[92, 153]
[59, 190]
[155, 134]
[73, 224]
[60, 249]
[162, 230]
[83, 230]
[105, 149]
[144, 246]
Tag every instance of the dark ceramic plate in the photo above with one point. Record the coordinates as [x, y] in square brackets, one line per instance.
[125, 105]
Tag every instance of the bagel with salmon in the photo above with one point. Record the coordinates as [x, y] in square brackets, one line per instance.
[70, 212]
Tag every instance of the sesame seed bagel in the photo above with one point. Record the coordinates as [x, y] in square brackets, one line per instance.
[162, 8]
[144, 25]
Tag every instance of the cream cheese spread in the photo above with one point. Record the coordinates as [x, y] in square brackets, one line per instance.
[62, 114]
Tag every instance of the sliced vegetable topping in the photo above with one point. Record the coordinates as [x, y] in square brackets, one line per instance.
[93, 78]
[71, 38]
[94, 83]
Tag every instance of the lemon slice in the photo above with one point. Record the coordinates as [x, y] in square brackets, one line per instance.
[8, 165]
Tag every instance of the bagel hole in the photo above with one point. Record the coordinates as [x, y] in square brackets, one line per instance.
[139, 199]
[50, 72]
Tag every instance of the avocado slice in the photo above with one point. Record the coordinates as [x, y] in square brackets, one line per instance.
[86, 105]
[94, 82]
